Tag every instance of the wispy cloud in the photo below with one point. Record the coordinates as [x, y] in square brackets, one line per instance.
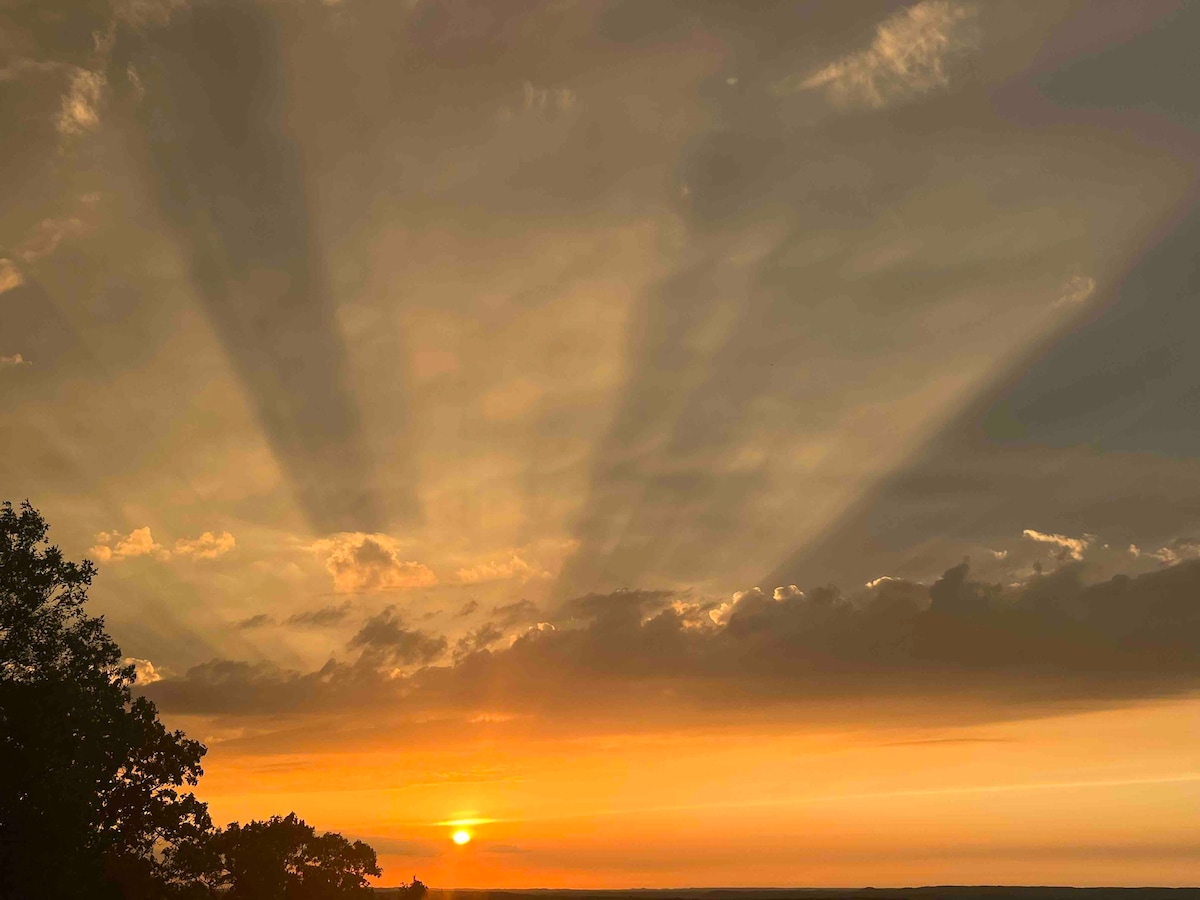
[1069, 547]
[12, 362]
[1078, 289]
[208, 546]
[81, 103]
[909, 57]
[501, 570]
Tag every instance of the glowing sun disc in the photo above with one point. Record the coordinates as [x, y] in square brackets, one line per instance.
[461, 837]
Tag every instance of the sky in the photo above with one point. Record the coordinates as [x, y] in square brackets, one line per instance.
[680, 443]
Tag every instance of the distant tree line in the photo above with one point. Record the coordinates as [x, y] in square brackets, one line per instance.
[95, 793]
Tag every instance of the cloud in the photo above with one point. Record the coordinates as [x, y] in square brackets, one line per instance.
[1178, 550]
[513, 567]
[80, 105]
[467, 608]
[371, 562]
[14, 361]
[480, 639]
[111, 545]
[384, 639]
[1069, 547]
[49, 233]
[145, 671]
[909, 57]
[207, 546]
[10, 276]
[1050, 639]
[516, 613]
[318, 618]
[545, 102]
[261, 620]
[1078, 289]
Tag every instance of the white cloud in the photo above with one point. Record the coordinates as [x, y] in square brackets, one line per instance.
[788, 592]
[909, 56]
[12, 362]
[1068, 546]
[370, 562]
[876, 582]
[10, 276]
[147, 673]
[111, 545]
[208, 546]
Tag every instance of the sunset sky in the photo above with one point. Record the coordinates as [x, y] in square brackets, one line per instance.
[679, 442]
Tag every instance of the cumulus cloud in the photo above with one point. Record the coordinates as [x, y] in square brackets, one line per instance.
[208, 546]
[1068, 547]
[10, 276]
[112, 545]
[911, 55]
[12, 362]
[144, 670]
[371, 562]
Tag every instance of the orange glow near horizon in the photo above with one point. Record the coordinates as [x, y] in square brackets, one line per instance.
[1037, 801]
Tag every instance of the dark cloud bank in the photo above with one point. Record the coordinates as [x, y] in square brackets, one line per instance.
[1051, 640]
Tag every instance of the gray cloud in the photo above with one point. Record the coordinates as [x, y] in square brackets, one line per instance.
[318, 618]
[519, 612]
[383, 639]
[1053, 639]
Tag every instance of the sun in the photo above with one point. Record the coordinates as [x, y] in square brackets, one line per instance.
[460, 837]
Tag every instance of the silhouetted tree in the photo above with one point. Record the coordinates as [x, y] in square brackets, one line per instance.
[414, 890]
[284, 858]
[93, 788]
[91, 783]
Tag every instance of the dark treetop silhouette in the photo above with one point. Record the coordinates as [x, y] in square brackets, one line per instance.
[94, 790]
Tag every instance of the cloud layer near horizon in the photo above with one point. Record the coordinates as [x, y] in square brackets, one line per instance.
[1049, 640]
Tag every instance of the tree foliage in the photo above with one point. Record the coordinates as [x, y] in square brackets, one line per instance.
[94, 789]
[91, 783]
[284, 858]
